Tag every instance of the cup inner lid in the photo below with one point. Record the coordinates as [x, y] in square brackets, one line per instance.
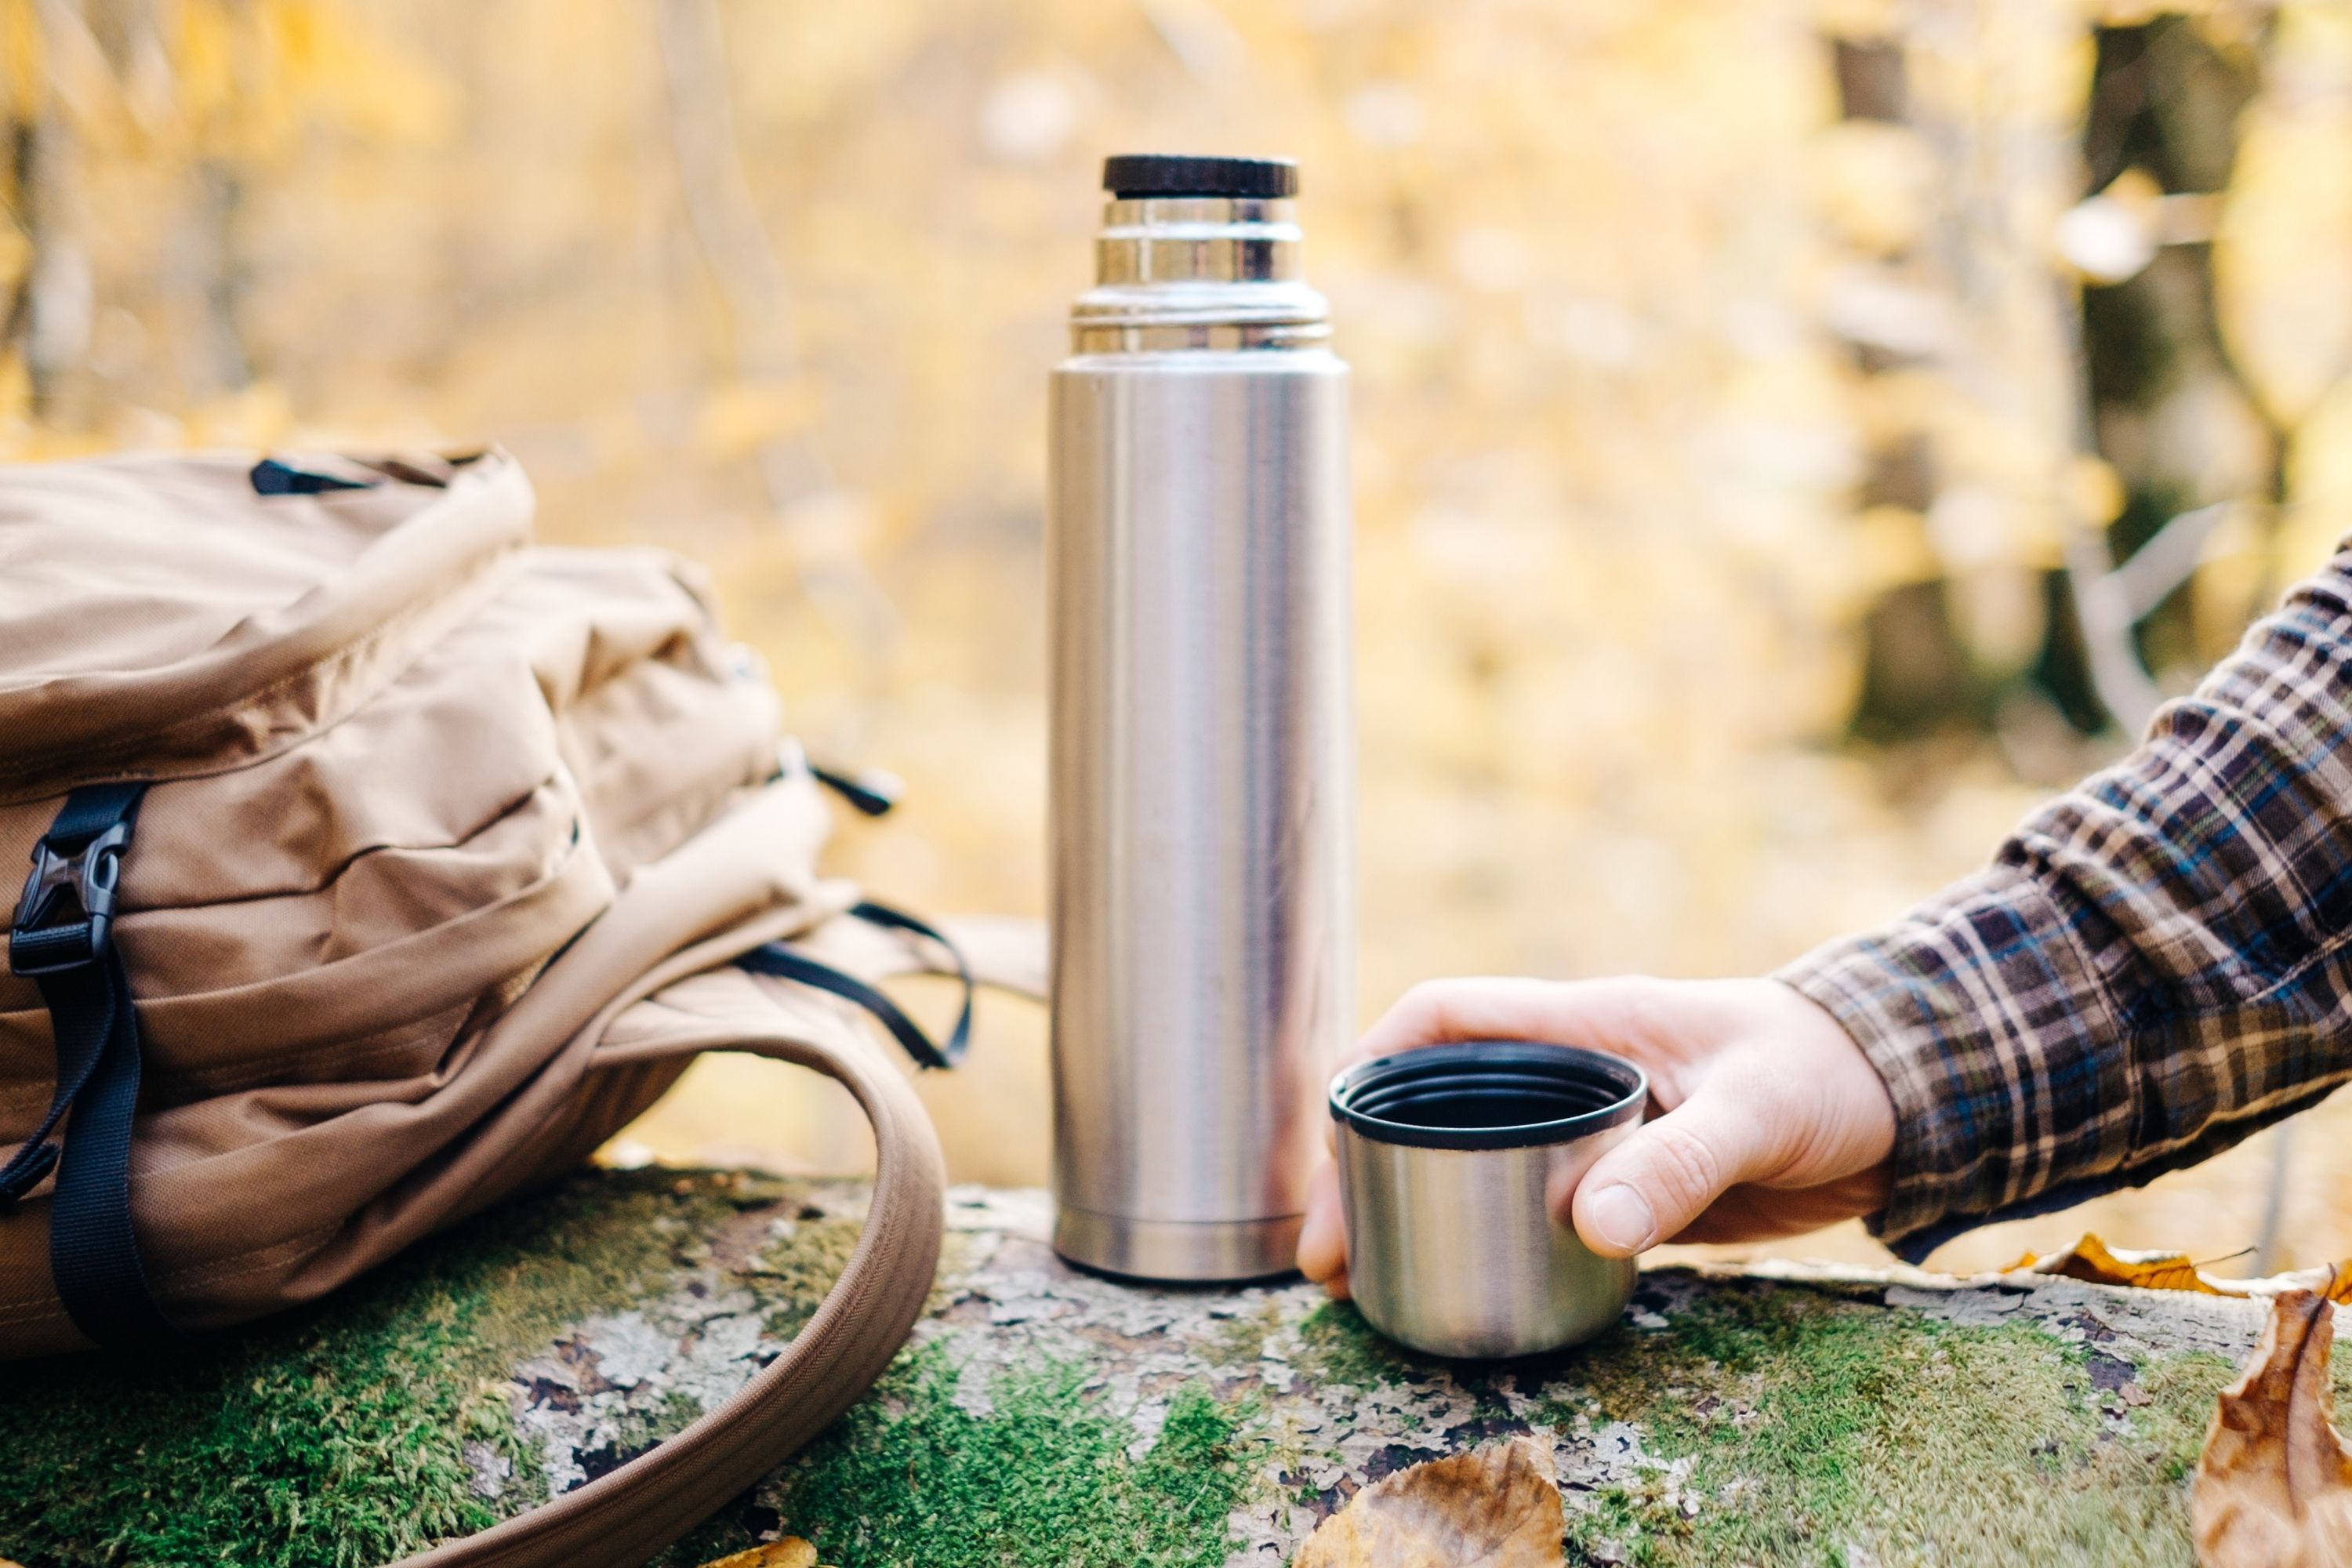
[1488, 1094]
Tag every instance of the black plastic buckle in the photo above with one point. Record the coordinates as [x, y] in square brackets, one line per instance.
[38, 947]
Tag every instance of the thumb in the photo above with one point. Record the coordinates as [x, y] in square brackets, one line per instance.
[1655, 1183]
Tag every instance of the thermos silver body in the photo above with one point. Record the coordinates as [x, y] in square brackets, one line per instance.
[1201, 768]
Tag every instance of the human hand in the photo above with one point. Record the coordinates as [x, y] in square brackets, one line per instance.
[1767, 1118]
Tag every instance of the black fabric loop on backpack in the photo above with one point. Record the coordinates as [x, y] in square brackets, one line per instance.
[786, 963]
[272, 478]
[958, 1038]
[869, 794]
[93, 1252]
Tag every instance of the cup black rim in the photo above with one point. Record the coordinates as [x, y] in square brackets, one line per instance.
[1433, 1063]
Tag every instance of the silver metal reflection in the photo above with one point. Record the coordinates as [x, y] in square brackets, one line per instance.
[1201, 769]
[1456, 1251]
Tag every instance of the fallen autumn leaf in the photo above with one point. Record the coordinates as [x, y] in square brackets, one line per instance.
[2094, 1262]
[2274, 1486]
[792, 1551]
[1497, 1507]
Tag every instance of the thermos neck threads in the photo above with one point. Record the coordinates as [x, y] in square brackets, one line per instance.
[1183, 272]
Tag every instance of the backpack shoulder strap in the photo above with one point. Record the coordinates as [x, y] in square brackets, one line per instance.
[628, 1514]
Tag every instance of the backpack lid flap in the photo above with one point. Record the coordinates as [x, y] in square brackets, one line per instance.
[167, 615]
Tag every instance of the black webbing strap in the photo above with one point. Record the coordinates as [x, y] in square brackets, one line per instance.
[786, 963]
[70, 955]
[871, 793]
[272, 478]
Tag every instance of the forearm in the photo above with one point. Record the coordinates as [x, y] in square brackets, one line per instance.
[2156, 964]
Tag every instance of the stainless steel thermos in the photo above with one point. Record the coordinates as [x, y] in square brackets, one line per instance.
[1202, 781]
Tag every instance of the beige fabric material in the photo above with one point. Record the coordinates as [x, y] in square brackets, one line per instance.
[446, 835]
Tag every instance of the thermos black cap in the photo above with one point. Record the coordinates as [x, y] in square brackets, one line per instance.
[1167, 174]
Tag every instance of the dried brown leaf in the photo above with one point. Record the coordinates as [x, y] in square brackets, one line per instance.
[792, 1551]
[2094, 1262]
[1497, 1507]
[2274, 1486]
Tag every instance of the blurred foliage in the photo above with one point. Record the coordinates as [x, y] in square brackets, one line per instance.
[1738, 382]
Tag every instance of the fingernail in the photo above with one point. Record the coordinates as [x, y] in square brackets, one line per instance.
[1621, 1218]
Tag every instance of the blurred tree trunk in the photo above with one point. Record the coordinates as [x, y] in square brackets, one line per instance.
[225, 276]
[48, 318]
[2167, 408]
[1942, 291]
[734, 245]
[2119, 387]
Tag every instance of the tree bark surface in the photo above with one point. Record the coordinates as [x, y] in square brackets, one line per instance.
[1045, 1415]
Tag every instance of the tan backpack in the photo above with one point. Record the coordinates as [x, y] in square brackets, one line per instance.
[382, 865]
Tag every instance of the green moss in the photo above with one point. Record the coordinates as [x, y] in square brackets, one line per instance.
[910, 1480]
[1338, 1348]
[1822, 1430]
[799, 1268]
[335, 1436]
[1240, 1341]
[2183, 1390]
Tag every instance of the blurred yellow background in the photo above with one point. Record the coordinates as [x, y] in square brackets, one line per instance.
[1748, 391]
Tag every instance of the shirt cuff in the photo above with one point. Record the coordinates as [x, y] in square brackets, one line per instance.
[1983, 1015]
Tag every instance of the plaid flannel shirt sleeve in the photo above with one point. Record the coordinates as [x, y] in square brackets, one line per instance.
[2157, 963]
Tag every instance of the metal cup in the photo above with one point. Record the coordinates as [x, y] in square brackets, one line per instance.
[1453, 1160]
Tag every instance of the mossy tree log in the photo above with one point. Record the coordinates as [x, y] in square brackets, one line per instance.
[1044, 1416]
